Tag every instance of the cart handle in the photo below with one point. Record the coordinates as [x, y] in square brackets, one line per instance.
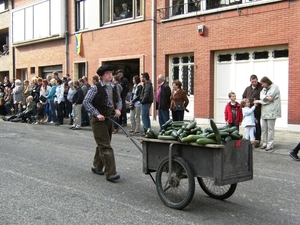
[134, 141]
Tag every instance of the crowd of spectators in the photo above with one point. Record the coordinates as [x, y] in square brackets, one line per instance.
[40, 101]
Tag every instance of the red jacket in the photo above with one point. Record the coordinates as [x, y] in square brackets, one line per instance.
[228, 114]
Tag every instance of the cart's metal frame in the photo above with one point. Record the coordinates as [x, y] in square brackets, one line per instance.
[228, 164]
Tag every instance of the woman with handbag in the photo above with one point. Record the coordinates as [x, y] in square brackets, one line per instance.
[179, 101]
[44, 91]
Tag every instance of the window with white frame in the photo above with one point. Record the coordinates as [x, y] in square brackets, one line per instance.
[182, 68]
[179, 7]
[3, 5]
[120, 10]
[40, 20]
[82, 14]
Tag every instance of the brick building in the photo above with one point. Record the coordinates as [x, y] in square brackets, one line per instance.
[213, 46]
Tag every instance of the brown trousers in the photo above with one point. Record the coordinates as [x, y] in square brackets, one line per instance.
[104, 155]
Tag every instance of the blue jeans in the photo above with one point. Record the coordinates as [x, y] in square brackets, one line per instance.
[145, 116]
[163, 116]
[52, 113]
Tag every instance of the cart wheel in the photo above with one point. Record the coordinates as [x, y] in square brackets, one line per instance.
[218, 192]
[179, 191]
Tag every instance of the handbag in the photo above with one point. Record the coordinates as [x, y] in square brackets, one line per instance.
[131, 107]
[179, 107]
[43, 98]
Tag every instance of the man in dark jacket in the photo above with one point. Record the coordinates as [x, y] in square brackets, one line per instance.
[146, 100]
[100, 101]
[124, 83]
[77, 105]
[252, 92]
[163, 100]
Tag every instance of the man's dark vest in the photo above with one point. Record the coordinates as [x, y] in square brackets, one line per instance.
[100, 101]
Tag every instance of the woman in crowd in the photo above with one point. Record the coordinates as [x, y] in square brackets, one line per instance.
[25, 91]
[34, 89]
[50, 97]
[179, 101]
[17, 93]
[135, 105]
[270, 111]
[70, 95]
[44, 91]
[8, 100]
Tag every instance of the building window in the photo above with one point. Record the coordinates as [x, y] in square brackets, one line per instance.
[120, 10]
[184, 6]
[3, 5]
[81, 14]
[224, 58]
[280, 53]
[182, 68]
[41, 20]
[180, 7]
[260, 55]
[241, 56]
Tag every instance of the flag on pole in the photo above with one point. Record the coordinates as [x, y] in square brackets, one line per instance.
[78, 43]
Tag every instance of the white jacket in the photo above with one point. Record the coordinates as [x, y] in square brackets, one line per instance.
[270, 110]
[59, 94]
[248, 116]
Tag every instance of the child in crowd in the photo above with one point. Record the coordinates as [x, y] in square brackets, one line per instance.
[249, 120]
[39, 114]
[233, 112]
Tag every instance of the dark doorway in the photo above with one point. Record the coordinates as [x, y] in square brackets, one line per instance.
[131, 68]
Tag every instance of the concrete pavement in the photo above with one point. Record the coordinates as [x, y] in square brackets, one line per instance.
[284, 142]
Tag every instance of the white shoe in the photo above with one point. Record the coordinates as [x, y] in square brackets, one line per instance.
[36, 123]
[51, 122]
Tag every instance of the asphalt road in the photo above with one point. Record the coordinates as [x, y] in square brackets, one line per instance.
[45, 178]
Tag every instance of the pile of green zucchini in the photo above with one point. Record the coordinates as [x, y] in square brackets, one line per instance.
[189, 132]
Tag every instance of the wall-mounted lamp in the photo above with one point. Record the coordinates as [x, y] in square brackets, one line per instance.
[200, 29]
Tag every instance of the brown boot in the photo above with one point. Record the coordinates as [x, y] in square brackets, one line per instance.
[257, 143]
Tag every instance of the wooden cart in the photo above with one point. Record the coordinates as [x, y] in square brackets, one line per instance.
[218, 168]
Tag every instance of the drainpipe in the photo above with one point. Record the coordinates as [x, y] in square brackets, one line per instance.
[153, 54]
[67, 36]
[13, 48]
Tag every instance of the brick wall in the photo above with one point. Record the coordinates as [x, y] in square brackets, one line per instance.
[264, 25]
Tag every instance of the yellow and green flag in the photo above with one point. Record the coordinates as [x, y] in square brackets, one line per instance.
[78, 43]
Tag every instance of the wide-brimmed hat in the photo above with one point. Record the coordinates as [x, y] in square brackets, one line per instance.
[102, 69]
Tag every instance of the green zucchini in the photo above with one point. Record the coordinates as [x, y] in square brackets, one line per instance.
[178, 123]
[235, 136]
[166, 124]
[205, 141]
[222, 133]
[227, 139]
[191, 125]
[208, 130]
[174, 134]
[190, 138]
[229, 130]
[151, 133]
[216, 131]
[204, 135]
[165, 137]
[168, 132]
[224, 127]
[179, 131]
[194, 130]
